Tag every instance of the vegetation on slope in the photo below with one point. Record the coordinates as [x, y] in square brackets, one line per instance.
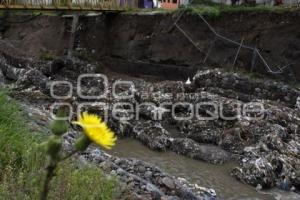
[216, 10]
[22, 164]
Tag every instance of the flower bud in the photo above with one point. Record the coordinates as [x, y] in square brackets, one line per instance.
[54, 146]
[59, 127]
[82, 143]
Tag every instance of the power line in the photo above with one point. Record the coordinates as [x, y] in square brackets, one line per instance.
[239, 45]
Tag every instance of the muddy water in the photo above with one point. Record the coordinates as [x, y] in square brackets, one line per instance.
[204, 174]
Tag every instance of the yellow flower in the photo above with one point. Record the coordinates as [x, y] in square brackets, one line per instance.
[96, 130]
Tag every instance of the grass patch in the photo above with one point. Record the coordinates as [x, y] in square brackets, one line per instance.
[88, 182]
[294, 83]
[47, 56]
[72, 182]
[210, 11]
[32, 13]
[257, 9]
[23, 163]
[84, 55]
[144, 11]
[216, 10]
[14, 135]
[256, 75]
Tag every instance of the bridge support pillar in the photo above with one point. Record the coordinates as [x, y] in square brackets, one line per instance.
[72, 35]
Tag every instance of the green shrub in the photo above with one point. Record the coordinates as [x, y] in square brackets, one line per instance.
[46, 56]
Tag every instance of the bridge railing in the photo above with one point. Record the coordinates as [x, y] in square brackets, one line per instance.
[66, 4]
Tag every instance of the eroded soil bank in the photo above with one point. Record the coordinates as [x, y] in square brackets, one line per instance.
[148, 43]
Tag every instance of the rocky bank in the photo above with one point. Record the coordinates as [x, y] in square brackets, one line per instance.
[138, 180]
[267, 149]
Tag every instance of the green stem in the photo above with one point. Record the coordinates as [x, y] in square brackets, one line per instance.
[69, 155]
[50, 174]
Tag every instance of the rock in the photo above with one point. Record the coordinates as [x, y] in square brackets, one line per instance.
[169, 87]
[141, 169]
[201, 131]
[263, 173]
[208, 192]
[120, 172]
[231, 140]
[298, 103]
[148, 174]
[296, 178]
[153, 135]
[106, 166]
[33, 77]
[192, 149]
[257, 90]
[153, 191]
[146, 111]
[171, 198]
[130, 185]
[168, 182]
[285, 184]
[50, 68]
[268, 167]
[113, 173]
[185, 194]
[258, 187]
[57, 65]
[13, 73]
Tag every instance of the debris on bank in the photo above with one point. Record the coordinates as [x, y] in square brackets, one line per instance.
[267, 149]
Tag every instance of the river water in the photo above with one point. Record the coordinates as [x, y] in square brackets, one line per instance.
[204, 174]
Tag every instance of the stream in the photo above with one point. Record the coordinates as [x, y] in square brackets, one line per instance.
[202, 173]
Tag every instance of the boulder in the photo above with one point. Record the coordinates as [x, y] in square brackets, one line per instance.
[201, 131]
[256, 172]
[153, 135]
[33, 77]
[12, 73]
[169, 182]
[192, 149]
[270, 163]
